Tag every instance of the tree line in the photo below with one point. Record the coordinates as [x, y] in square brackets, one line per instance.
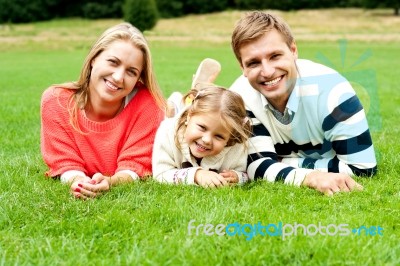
[145, 13]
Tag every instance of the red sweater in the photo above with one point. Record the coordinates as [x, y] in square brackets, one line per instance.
[122, 143]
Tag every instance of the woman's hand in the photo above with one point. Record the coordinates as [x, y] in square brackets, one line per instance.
[90, 188]
[75, 187]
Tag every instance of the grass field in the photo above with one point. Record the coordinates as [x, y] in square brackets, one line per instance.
[146, 223]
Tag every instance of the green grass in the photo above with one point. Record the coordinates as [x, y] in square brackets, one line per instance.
[147, 223]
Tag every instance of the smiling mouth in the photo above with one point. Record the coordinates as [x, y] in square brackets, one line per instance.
[111, 86]
[273, 82]
[201, 147]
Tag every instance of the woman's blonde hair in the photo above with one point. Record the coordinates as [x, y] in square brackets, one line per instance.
[228, 104]
[123, 31]
[253, 26]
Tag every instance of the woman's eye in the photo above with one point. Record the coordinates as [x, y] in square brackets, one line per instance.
[132, 72]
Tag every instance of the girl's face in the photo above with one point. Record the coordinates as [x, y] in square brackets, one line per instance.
[115, 72]
[205, 134]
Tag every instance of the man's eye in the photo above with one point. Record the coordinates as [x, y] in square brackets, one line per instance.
[252, 64]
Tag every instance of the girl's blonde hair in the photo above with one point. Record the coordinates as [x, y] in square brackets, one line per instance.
[253, 26]
[123, 31]
[228, 104]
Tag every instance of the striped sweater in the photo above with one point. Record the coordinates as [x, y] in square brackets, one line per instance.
[328, 129]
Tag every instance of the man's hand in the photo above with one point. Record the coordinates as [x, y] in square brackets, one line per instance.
[330, 183]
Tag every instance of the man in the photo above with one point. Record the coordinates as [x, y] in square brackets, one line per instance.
[309, 127]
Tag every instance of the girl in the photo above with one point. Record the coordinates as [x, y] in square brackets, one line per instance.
[206, 143]
[99, 131]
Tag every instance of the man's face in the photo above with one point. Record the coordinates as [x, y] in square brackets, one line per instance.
[270, 66]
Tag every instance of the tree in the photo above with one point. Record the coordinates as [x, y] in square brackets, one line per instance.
[143, 14]
[170, 8]
[21, 11]
[395, 4]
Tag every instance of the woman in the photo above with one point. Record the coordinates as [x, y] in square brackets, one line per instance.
[99, 131]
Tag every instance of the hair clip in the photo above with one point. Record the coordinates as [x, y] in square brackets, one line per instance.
[245, 120]
[199, 94]
[188, 101]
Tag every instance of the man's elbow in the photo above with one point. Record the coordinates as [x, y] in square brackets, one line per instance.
[364, 172]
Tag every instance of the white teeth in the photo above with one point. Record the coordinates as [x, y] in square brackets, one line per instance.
[201, 147]
[109, 84]
[273, 82]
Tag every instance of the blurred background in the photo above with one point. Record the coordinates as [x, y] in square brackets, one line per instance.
[145, 13]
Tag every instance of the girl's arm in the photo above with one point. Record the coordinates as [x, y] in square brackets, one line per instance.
[236, 160]
[167, 158]
[235, 177]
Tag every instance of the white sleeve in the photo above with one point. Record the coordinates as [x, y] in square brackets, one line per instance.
[67, 176]
[131, 173]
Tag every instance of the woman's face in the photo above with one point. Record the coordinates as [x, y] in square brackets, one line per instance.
[115, 72]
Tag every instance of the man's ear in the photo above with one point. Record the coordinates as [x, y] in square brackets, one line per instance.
[243, 71]
[293, 49]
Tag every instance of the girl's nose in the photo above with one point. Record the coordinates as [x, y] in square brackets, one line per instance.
[206, 138]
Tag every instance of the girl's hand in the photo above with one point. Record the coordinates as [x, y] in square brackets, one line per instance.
[230, 176]
[209, 179]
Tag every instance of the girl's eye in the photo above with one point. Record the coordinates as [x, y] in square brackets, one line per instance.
[220, 137]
